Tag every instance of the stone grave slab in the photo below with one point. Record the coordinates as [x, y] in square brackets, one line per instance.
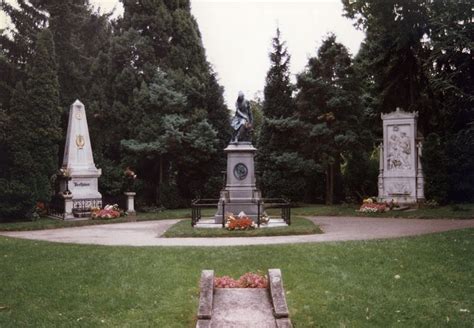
[243, 307]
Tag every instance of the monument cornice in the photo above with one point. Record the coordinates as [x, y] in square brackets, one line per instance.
[399, 114]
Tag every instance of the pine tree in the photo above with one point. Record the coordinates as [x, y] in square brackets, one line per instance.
[416, 56]
[164, 36]
[16, 45]
[70, 22]
[162, 133]
[44, 114]
[32, 145]
[394, 54]
[17, 181]
[279, 163]
[328, 107]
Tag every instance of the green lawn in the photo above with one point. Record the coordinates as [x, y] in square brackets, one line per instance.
[48, 223]
[459, 211]
[345, 284]
[462, 211]
[299, 226]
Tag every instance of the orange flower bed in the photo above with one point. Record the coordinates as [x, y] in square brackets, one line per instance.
[240, 224]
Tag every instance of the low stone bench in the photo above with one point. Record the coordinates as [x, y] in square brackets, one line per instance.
[243, 307]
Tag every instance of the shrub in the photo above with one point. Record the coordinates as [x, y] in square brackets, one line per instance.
[169, 196]
[434, 163]
[17, 201]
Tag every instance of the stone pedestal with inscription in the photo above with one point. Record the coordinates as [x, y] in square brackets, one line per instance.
[78, 163]
[400, 173]
[240, 193]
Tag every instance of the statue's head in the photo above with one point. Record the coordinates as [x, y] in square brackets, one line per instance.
[241, 96]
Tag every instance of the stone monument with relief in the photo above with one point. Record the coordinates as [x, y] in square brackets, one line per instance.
[78, 162]
[240, 193]
[400, 172]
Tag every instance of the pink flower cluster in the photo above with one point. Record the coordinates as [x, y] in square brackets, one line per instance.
[226, 282]
[108, 212]
[373, 207]
[248, 280]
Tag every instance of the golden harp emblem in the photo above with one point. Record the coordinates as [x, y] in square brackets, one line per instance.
[80, 142]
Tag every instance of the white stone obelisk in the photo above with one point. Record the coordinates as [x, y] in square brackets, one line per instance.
[79, 162]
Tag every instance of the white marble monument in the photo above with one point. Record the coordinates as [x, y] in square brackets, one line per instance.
[78, 162]
[400, 172]
[240, 193]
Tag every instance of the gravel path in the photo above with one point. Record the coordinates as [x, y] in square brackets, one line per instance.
[147, 233]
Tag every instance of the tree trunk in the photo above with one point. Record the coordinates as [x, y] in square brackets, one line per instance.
[161, 170]
[160, 180]
[330, 184]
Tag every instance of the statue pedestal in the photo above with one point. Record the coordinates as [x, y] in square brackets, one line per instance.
[240, 193]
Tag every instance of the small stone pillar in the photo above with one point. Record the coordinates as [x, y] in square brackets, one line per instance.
[68, 206]
[420, 179]
[130, 202]
[380, 178]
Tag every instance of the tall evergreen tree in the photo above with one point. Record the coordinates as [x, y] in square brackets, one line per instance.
[164, 36]
[278, 160]
[43, 92]
[78, 34]
[394, 54]
[417, 55]
[163, 132]
[328, 106]
[35, 136]
[17, 182]
[16, 45]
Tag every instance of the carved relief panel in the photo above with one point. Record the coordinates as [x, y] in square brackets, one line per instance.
[399, 148]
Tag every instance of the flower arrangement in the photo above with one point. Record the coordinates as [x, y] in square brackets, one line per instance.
[107, 213]
[370, 205]
[41, 209]
[247, 280]
[241, 222]
[369, 200]
[129, 173]
[129, 178]
[264, 219]
[373, 208]
[64, 172]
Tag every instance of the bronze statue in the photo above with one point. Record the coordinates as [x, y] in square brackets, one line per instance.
[242, 121]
